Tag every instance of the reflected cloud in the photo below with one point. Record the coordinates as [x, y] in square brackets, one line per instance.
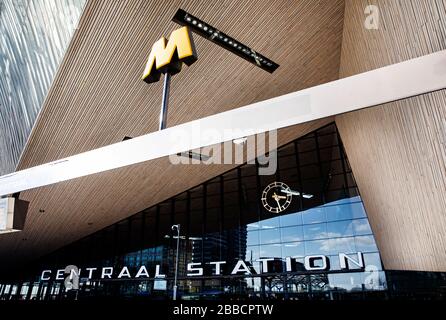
[361, 226]
[366, 241]
[330, 245]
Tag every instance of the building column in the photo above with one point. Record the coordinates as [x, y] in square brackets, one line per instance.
[398, 150]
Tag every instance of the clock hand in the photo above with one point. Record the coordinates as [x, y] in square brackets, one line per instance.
[278, 203]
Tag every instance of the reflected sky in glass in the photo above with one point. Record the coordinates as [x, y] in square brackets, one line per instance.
[293, 249]
[293, 219]
[314, 215]
[315, 231]
[337, 227]
[292, 234]
[270, 236]
[271, 251]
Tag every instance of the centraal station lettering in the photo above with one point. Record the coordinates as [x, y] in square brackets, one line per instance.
[311, 263]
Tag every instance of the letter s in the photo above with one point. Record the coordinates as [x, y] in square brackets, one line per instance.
[372, 280]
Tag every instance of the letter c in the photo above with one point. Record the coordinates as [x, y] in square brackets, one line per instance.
[43, 278]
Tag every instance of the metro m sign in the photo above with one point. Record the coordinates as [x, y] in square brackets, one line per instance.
[169, 57]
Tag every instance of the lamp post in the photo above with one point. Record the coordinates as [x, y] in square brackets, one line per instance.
[175, 287]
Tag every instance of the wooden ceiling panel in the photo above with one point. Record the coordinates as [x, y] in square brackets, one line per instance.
[97, 98]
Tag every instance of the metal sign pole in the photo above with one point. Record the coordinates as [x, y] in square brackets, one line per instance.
[175, 286]
[165, 102]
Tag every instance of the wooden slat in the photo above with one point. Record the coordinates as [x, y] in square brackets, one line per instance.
[397, 151]
[97, 98]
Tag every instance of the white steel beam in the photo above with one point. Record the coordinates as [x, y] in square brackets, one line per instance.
[394, 82]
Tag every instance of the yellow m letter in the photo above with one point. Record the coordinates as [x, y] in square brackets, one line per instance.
[169, 58]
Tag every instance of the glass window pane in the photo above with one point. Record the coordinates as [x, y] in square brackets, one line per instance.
[361, 227]
[330, 246]
[252, 253]
[334, 263]
[340, 229]
[270, 236]
[291, 234]
[315, 231]
[315, 215]
[365, 244]
[293, 249]
[316, 247]
[270, 223]
[253, 237]
[358, 210]
[346, 281]
[293, 219]
[271, 251]
[373, 259]
[308, 157]
[338, 212]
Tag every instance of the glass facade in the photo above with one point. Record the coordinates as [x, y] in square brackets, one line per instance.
[230, 246]
[34, 35]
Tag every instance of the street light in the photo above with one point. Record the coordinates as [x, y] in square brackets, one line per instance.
[176, 227]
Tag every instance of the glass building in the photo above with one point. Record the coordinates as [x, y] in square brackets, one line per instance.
[297, 253]
[225, 219]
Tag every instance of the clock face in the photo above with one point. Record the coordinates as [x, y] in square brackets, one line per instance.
[276, 197]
